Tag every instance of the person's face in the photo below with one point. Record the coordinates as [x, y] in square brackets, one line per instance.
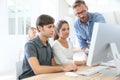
[32, 33]
[47, 30]
[82, 13]
[64, 31]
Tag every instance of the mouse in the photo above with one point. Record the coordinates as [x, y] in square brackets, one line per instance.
[72, 74]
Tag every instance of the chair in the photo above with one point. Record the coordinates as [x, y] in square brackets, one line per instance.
[18, 69]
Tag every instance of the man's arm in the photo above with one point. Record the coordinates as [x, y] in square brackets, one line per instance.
[99, 18]
[79, 33]
[83, 44]
[41, 69]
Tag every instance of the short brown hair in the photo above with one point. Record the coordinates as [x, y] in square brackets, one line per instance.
[78, 3]
[44, 20]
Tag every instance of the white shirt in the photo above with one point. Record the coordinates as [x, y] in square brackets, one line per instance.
[62, 55]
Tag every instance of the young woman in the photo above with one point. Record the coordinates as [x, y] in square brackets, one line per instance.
[62, 47]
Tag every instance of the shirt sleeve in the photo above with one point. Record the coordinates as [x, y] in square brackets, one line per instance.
[59, 54]
[82, 42]
[99, 18]
[30, 50]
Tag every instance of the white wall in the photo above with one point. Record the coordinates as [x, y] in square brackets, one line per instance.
[3, 18]
[39, 7]
[3, 33]
[10, 48]
[62, 9]
[9, 45]
[109, 9]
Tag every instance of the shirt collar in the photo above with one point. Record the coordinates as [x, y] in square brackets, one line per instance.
[38, 41]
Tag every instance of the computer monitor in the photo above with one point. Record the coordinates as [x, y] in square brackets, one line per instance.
[105, 44]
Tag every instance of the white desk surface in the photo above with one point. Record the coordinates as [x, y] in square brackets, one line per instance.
[62, 76]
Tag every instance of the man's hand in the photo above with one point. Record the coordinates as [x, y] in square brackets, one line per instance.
[69, 67]
[85, 50]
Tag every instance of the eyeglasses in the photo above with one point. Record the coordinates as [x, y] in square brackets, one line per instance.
[81, 13]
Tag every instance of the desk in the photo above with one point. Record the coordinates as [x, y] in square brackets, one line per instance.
[62, 76]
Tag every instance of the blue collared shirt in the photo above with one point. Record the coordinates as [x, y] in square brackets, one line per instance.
[84, 31]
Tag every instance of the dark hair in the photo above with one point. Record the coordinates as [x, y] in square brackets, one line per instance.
[78, 3]
[44, 20]
[58, 27]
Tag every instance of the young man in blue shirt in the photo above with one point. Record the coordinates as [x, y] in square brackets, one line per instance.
[85, 22]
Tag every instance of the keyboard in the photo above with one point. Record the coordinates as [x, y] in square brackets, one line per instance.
[92, 70]
[109, 63]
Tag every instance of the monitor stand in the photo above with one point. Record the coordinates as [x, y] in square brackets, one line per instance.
[116, 57]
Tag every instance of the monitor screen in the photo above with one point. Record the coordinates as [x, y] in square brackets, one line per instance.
[103, 34]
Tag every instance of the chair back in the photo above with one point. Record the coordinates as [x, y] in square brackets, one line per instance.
[18, 69]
